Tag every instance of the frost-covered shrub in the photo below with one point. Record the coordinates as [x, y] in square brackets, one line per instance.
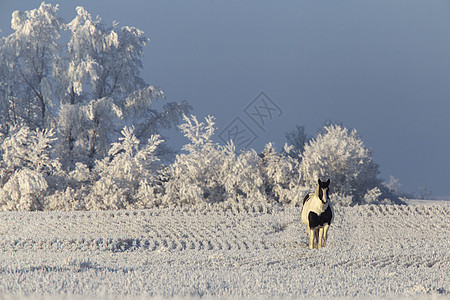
[210, 173]
[393, 190]
[281, 178]
[27, 168]
[72, 198]
[243, 179]
[22, 148]
[341, 199]
[74, 190]
[23, 191]
[126, 178]
[372, 196]
[340, 154]
[196, 176]
[123, 173]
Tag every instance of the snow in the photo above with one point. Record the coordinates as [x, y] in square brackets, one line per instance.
[225, 251]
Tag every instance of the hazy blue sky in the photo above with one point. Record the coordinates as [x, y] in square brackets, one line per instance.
[382, 67]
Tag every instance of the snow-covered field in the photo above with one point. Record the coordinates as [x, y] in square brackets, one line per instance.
[376, 251]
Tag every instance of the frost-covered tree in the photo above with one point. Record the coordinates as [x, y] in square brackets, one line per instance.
[81, 78]
[340, 154]
[31, 54]
[105, 90]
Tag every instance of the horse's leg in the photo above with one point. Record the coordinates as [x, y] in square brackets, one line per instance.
[325, 233]
[311, 238]
[319, 242]
[316, 237]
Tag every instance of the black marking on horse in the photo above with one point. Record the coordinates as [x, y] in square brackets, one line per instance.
[316, 220]
[306, 198]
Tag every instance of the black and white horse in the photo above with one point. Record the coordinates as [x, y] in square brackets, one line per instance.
[317, 214]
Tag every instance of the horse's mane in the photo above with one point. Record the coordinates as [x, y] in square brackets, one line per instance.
[306, 198]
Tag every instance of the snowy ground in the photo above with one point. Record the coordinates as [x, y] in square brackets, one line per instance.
[376, 251]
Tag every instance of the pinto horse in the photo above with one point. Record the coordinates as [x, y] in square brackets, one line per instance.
[317, 214]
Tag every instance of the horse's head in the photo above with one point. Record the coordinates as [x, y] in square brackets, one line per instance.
[323, 189]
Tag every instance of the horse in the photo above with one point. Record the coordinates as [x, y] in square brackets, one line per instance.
[318, 214]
